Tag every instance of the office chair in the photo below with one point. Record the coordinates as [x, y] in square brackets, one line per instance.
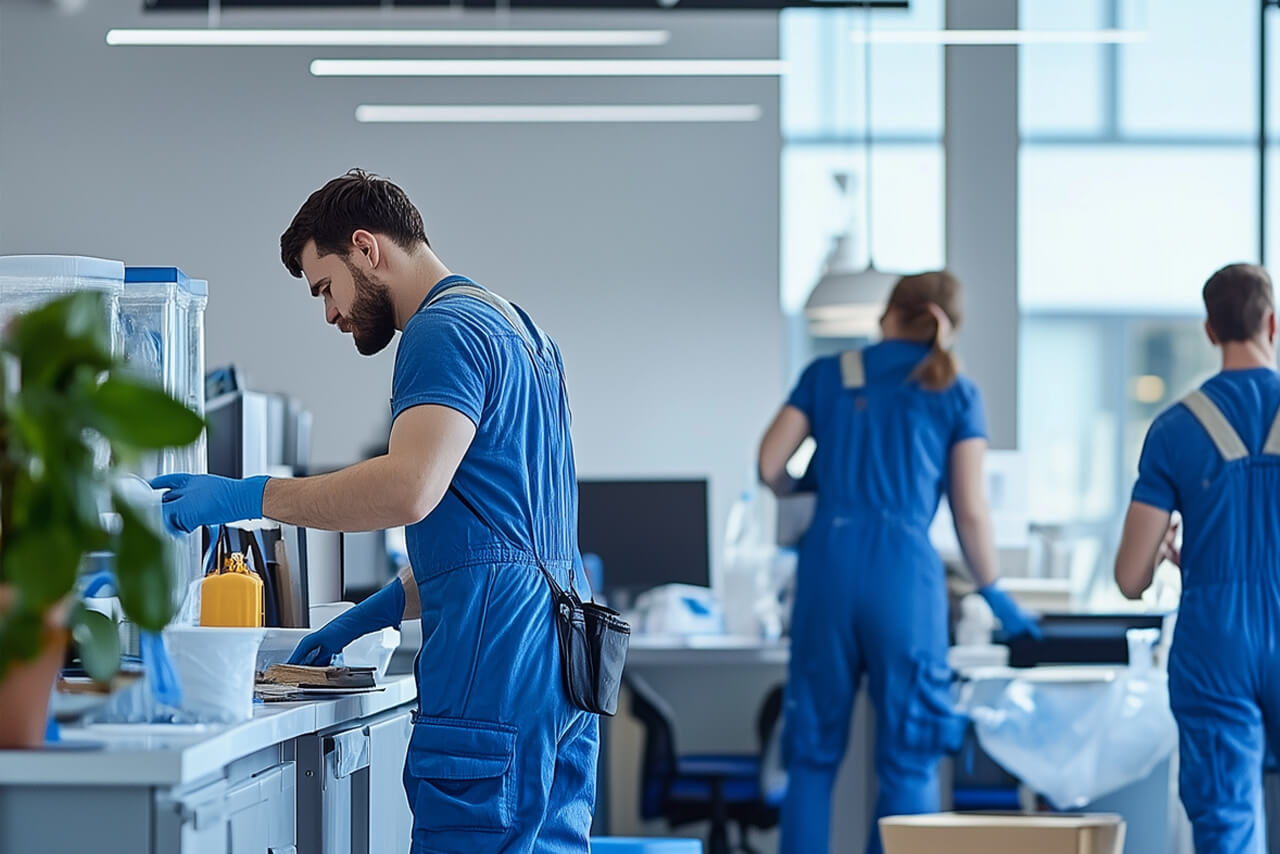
[745, 789]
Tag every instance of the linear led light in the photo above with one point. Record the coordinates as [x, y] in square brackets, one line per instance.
[389, 38]
[547, 67]
[494, 113]
[997, 37]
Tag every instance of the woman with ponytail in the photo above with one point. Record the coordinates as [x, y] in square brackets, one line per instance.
[894, 424]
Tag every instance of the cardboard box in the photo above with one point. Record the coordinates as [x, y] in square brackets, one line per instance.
[1003, 833]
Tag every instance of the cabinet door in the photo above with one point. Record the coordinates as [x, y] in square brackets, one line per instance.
[345, 766]
[197, 818]
[390, 825]
[248, 818]
[260, 812]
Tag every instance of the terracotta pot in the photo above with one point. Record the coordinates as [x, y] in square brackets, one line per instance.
[24, 690]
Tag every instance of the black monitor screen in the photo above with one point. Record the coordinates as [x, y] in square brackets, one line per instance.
[646, 532]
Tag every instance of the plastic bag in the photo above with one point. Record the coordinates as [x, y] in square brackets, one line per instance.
[1075, 735]
[756, 571]
[677, 609]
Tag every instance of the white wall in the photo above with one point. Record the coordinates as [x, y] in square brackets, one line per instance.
[649, 251]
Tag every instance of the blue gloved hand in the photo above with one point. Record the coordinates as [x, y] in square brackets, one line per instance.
[382, 609]
[1015, 621]
[194, 500]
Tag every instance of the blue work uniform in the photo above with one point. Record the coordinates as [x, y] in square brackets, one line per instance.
[870, 588]
[499, 760]
[1215, 458]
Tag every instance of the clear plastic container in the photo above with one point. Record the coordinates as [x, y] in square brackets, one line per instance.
[29, 281]
[162, 323]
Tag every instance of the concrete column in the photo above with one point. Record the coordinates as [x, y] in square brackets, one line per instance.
[981, 141]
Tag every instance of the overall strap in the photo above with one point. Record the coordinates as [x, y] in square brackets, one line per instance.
[1224, 436]
[852, 370]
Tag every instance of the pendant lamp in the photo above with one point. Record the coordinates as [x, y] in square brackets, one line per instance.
[848, 299]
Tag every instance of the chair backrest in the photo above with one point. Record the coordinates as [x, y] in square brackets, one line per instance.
[658, 762]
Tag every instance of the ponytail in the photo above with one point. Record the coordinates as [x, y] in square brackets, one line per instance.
[928, 307]
[939, 369]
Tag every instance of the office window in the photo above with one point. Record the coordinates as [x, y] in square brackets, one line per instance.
[1195, 75]
[1063, 87]
[1122, 227]
[1132, 192]
[823, 133]
[822, 96]
[907, 200]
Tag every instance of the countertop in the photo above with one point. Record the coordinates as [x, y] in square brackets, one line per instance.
[173, 755]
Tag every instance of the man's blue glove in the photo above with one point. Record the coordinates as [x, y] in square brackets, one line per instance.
[194, 500]
[382, 609]
[1015, 621]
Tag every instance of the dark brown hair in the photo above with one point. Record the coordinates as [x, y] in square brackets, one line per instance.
[357, 200]
[1237, 299]
[911, 299]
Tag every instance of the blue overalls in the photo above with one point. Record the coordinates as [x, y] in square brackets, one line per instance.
[1224, 665]
[499, 760]
[870, 590]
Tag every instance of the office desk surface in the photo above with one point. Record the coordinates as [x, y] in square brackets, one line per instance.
[704, 650]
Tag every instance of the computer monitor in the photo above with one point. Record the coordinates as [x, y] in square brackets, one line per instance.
[646, 532]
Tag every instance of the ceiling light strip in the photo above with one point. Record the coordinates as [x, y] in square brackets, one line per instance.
[547, 113]
[387, 38]
[547, 68]
[999, 37]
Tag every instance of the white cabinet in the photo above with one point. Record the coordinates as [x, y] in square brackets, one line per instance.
[390, 821]
[350, 796]
[254, 815]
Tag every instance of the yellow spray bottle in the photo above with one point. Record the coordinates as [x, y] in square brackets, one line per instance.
[231, 595]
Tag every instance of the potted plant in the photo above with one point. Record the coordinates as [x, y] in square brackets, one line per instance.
[65, 401]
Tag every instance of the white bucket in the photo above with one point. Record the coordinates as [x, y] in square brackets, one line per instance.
[215, 670]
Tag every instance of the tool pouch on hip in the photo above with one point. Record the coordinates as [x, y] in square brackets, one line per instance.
[593, 649]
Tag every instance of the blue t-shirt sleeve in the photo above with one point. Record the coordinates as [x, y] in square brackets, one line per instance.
[971, 418]
[1155, 485]
[805, 395]
[442, 360]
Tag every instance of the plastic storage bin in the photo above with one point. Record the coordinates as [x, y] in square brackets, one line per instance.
[162, 330]
[162, 317]
[30, 281]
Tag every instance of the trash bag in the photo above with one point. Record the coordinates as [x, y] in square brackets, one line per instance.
[756, 571]
[1077, 734]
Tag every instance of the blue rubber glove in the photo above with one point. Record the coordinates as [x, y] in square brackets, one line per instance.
[1015, 621]
[195, 500]
[165, 687]
[382, 609]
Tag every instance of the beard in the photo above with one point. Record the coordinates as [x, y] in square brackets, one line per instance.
[372, 317]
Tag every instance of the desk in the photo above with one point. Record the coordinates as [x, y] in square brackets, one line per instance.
[672, 651]
[715, 686]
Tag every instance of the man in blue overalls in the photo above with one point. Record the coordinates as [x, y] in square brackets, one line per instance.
[1215, 458]
[479, 467]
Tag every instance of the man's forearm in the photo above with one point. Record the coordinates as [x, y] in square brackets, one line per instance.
[367, 496]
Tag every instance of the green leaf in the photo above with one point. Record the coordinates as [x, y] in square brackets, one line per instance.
[142, 571]
[65, 333]
[41, 560]
[98, 640]
[142, 415]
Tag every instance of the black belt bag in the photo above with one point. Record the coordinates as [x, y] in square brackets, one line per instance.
[593, 649]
